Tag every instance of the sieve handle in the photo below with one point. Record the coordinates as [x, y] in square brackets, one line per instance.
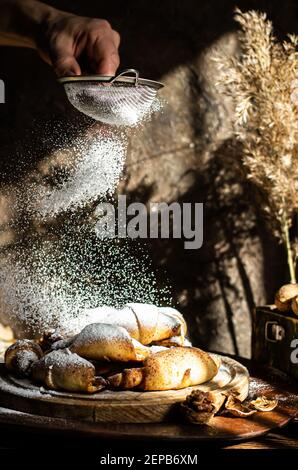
[128, 71]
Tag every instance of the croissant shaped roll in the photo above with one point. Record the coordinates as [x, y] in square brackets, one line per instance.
[173, 368]
[104, 341]
[144, 322]
[64, 370]
[20, 356]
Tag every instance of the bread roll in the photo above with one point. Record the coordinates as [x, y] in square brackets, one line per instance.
[20, 356]
[173, 368]
[145, 323]
[104, 341]
[66, 371]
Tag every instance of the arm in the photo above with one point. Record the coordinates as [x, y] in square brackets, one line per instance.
[60, 38]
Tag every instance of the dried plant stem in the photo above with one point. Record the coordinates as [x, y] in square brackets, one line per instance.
[286, 238]
[262, 79]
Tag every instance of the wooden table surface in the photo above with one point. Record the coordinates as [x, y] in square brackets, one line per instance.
[285, 438]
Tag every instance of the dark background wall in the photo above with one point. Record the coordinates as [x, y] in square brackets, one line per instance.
[183, 154]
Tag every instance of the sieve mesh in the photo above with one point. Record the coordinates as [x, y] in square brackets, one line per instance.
[111, 104]
[112, 100]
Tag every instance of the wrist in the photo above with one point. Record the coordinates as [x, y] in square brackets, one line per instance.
[30, 18]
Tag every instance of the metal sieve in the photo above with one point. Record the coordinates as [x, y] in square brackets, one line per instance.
[120, 100]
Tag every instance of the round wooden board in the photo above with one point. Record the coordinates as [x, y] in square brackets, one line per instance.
[219, 429]
[115, 406]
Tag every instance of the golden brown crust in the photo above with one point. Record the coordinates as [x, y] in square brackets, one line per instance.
[174, 368]
[127, 379]
[178, 368]
[156, 323]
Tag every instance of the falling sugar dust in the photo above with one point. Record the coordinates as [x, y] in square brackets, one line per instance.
[49, 283]
[59, 267]
[95, 173]
[75, 175]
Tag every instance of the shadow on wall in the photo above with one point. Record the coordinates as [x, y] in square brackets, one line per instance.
[216, 284]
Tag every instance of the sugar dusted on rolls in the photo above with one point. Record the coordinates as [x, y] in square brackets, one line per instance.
[63, 370]
[21, 355]
[104, 341]
[141, 347]
[145, 323]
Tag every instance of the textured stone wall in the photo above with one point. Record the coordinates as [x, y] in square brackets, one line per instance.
[183, 154]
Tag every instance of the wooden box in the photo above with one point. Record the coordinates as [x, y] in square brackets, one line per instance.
[273, 339]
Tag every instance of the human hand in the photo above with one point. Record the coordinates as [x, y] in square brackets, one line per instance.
[67, 40]
[64, 40]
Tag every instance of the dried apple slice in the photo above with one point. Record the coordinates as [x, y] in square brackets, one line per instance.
[263, 404]
[235, 407]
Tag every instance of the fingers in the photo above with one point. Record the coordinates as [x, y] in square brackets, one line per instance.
[75, 38]
[62, 57]
[105, 58]
[103, 53]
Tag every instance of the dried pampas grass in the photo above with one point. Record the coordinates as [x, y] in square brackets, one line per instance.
[263, 80]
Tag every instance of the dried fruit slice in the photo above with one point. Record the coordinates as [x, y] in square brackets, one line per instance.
[235, 407]
[263, 404]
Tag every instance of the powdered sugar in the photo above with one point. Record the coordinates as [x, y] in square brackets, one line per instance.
[50, 283]
[114, 316]
[62, 359]
[59, 268]
[99, 333]
[259, 387]
[96, 173]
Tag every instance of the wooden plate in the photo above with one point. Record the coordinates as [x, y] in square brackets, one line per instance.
[115, 406]
[219, 429]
